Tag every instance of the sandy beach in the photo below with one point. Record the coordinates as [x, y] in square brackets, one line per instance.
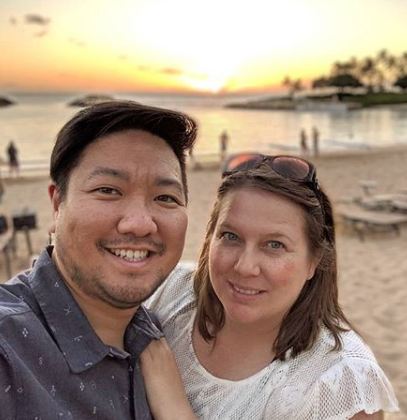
[372, 274]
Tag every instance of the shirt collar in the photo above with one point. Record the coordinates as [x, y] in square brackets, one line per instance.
[70, 328]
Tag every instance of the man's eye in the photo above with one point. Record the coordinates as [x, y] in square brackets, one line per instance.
[108, 191]
[168, 199]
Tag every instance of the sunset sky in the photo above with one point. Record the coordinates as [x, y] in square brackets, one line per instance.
[187, 45]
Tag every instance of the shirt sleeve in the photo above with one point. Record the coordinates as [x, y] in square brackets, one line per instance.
[175, 291]
[7, 388]
[350, 387]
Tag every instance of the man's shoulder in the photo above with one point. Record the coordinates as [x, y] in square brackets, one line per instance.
[13, 298]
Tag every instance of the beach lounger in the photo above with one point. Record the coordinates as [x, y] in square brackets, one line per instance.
[382, 201]
[362, 221]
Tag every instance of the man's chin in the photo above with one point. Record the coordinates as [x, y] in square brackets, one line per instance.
[127, 299]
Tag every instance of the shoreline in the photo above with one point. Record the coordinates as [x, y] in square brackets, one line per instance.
[209, 160]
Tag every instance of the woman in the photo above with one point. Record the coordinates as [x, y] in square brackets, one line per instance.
[257, 330]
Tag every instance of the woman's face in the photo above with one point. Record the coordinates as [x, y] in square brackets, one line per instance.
[259, 257]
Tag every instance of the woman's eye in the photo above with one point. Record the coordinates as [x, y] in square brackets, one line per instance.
[229, 236]
[275, 244]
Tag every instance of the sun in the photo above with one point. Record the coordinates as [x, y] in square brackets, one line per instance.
[208, 80]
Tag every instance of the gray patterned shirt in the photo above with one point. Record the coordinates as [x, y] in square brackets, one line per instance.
[54, 366]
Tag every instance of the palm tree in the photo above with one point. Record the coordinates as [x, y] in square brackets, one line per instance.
[386, 67]
[292, 85]
[367, 71]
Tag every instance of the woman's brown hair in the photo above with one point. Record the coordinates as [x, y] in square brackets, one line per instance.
[317, 303]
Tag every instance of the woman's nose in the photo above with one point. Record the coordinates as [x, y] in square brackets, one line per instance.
[247, 263]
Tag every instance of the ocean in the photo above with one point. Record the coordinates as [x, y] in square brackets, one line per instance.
[35, 119]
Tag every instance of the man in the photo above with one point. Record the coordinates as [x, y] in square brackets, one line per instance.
[72, 328]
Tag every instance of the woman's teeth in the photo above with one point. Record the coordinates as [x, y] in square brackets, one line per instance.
[246, 291]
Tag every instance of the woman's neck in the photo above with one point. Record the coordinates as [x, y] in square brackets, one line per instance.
[237, 352]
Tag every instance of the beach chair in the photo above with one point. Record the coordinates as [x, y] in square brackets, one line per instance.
[389, 202]
[363, 221]
[399, 203]
[368, 185]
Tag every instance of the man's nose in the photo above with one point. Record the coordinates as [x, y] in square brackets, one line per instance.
[137, 219]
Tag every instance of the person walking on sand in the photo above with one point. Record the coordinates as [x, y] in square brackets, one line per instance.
[72, 328]
[303, 142]
[223, 145]
[315, 140]
[13, 163]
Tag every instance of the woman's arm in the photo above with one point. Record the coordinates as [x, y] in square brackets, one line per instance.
[363, 416]
[165, 390]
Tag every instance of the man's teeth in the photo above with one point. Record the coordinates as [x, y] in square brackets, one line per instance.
[129, 254]
[246, 291]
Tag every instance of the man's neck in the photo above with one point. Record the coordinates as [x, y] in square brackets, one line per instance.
[108, 322]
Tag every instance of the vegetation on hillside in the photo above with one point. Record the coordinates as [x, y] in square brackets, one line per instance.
[375, 74]
[379, 80]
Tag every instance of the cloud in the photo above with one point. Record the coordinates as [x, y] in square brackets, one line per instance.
[77, 42]
[35, 19]
[41, 33]
[144, 68]
[171, 71]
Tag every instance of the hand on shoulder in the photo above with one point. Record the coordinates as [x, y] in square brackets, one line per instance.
[165, 390]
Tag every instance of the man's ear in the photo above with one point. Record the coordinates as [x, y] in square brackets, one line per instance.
[55, 198]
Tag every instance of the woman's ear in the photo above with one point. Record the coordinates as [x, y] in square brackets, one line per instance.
[314, 263]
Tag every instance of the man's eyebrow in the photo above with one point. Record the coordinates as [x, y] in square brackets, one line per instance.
[160, 182]
[170, 182]
[103, 170]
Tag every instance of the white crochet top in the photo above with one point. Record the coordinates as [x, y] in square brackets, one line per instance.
[317, 384]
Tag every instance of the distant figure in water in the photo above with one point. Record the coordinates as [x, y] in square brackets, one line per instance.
[303, 142]
[315, 140]
[223, 144]
[1, 188]
[12, 154]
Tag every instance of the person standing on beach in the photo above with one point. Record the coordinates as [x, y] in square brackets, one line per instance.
[303, 142]
[2, 189]
[72, 328]
[223, 145]
[315, 140]
[13, 163]
[256, 329]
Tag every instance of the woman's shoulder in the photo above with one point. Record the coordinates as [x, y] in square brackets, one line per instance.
[349, 378]
[174, 293]
[353, 376]
[353, 354]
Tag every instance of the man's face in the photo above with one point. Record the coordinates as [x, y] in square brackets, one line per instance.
[120, 228]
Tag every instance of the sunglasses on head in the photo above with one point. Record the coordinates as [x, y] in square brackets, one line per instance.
[290, 167]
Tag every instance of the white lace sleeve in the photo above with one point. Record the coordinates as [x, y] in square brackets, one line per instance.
[175, 291]
[348, 388]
